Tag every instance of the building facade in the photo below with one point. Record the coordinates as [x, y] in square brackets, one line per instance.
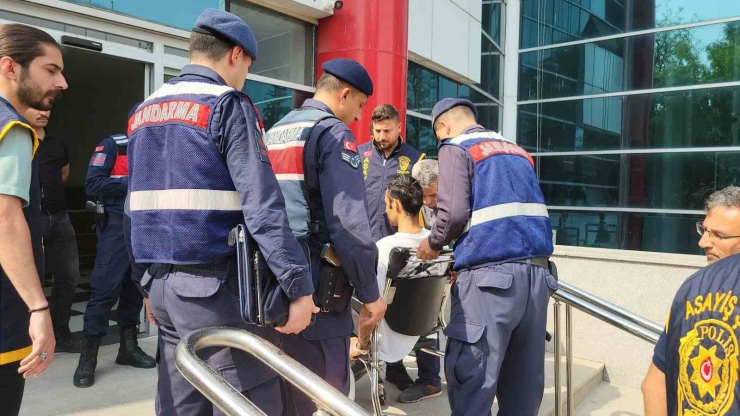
[630, 107]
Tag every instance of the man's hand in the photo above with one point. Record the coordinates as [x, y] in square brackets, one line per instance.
[299, 315]
[149, 314]
[375, 312]
[425, 252]
[42, 336]
[453, 277]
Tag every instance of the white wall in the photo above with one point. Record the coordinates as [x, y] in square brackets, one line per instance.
[642, 282]
[453, 27]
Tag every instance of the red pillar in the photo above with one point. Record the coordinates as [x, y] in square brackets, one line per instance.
[375, 34]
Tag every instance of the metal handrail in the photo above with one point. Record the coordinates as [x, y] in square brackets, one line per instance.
[329, 401]
[615, 309]
[599, 308]
[608, 316]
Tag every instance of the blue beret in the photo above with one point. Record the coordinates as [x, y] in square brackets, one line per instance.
[447, 103]
[350, 72]
[230, 26]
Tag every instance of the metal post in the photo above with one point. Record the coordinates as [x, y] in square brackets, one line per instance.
[375, 375]
[556, 339]
[569, 358]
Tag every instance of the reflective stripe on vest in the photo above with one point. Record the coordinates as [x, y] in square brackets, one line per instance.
[185, 199]
[513, 209]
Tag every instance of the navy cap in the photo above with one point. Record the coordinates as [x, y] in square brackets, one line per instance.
[230, 26]
[350, 72]
[447, 103]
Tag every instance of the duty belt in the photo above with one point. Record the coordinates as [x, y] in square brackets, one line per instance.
[535, 261]
[217, 269]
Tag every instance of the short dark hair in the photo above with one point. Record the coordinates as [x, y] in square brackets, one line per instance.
[24, 43]
[331, 84]
[385, 112]
[211, 47]
[407, 191]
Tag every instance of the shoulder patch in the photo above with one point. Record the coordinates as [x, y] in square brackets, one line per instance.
[353, 159]
[100, 148]
[261, 147]
[350, 146]
[98, 159]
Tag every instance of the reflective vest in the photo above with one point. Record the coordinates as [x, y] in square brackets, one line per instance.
[701, 349]
[509, 219]
[119, 170]
[285, 144]
[15, 343]
[183, 202]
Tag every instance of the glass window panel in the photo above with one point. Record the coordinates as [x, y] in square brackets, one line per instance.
[656, 181]
[678, 119]
[708, 54]
[667, 233]
[274, 102]
[547, 22]
[412, 131]
[488, 116]
[492, 20]
[176, 51]
[176, 13]
[170, 73]
[286, 50]
[490, 72]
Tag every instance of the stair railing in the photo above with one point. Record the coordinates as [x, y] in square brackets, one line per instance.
[329, 401]
[599, 308]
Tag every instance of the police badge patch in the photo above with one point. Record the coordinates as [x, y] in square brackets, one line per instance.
[708, 369]
[403, 163]
[352, 159]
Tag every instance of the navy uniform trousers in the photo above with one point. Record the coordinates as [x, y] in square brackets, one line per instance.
[496, 339]
[328, 358]
[183, 302]
[111, 282]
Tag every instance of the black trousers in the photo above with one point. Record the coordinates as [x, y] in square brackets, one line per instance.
[11, 385]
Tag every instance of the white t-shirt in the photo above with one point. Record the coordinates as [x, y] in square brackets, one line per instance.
[393, 346]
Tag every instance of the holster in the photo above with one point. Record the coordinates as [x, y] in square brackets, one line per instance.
[335, 291]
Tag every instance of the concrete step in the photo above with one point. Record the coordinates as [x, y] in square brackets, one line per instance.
[123, 390]
[587, 376]
[610, 399]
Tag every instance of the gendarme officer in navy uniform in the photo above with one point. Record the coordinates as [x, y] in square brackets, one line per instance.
[107, 180]
[694, 370]
[490, 201]
[327, 207]
[384, 157]
[198, 168]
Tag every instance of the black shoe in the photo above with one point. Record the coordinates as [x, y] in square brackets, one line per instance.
[85, 373]
[129, 352]
[359, 369]
[70, 343]
[419, 392]
[397, 375]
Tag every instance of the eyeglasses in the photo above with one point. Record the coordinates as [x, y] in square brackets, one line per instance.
[701, 229]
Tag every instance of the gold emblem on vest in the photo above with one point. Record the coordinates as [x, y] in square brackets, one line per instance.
[404, 163]
[708, 369]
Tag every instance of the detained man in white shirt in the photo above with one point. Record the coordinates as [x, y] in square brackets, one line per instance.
[403, 201]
